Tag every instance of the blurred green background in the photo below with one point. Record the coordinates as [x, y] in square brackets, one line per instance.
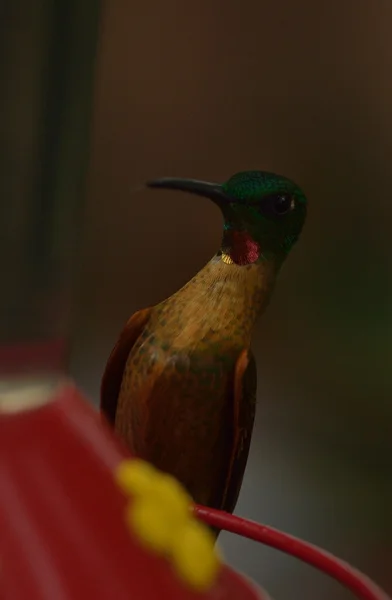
[204, 90]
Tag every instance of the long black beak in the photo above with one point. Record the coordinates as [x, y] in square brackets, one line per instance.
[213, 191]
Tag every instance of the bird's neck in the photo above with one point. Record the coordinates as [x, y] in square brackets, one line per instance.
[223, 299]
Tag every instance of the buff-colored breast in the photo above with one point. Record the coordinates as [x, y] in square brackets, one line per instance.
[175, 406]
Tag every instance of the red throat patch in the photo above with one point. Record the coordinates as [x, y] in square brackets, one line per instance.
[243, 249]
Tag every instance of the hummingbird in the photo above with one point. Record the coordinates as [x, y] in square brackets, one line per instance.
[180, 384]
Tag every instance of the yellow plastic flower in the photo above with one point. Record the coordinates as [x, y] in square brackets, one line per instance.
[194, 556]
[149, 521]
[161, 517]
[135, 476]
[172, 495]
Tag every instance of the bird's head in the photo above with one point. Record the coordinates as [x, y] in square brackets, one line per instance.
[263, 213]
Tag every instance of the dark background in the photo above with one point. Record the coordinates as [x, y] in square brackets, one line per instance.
[205, 90]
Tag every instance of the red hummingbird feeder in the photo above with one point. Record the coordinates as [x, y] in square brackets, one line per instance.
[80, 518]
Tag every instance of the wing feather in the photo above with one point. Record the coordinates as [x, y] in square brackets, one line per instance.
[244, 408]
[113, 374]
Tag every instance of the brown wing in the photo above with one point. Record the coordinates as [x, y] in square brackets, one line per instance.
[113, 374]
[244, 405]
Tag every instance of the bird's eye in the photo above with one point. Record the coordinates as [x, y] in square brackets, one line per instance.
[282, 204]
[278, 205]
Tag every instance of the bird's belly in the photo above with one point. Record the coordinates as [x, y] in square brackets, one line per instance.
[176, 411]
